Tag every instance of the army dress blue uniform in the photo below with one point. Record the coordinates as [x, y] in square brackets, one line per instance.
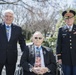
[66, 45]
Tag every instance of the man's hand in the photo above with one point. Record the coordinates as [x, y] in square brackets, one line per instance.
[43, 70]
[36, 70]
[39, 70]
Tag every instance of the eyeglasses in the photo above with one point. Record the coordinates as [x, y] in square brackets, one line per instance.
[38, 38]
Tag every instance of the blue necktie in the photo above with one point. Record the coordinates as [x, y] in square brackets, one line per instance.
[38, 52]
[8, 32]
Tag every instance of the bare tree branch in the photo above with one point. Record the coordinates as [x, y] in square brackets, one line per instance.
[7, 2]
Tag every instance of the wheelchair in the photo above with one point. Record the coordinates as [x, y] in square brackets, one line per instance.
[19, 70]
[59, 70]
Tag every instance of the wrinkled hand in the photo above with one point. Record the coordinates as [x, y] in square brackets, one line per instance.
[43, 70]
[36, 70]
[40, 70]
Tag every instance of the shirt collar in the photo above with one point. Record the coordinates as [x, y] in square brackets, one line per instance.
[70, 26]
[7, 24]
[37, 46]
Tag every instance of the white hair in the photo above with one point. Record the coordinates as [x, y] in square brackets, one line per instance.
[37, 32]
[6, 11]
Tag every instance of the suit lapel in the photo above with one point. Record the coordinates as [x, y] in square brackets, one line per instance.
[32, 53]
[44, 54]
[4, 31]
[12, 32]
[33, 49]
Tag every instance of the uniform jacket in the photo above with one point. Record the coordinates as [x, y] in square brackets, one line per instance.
[28, 57]
[8, 50]
[66, 45]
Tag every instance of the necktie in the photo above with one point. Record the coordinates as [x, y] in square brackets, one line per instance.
[38, 58]
[8, 32]
[69, 28]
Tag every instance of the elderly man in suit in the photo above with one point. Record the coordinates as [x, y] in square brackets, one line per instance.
[66, 43]
[10, 34]
[38, 60]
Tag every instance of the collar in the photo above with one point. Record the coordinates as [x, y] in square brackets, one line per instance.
[37, 46]
[7, 24]
[70, 26]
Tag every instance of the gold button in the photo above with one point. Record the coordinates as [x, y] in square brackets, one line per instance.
[70, 43]
[70, 37]
[70, 47]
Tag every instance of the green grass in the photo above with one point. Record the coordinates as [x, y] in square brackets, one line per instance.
[28, 41]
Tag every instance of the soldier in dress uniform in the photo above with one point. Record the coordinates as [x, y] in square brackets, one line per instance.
[66, 43]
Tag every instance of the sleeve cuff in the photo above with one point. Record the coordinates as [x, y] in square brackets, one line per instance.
[48, 70]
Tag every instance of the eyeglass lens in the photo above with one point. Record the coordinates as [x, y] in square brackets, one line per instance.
[38, 38]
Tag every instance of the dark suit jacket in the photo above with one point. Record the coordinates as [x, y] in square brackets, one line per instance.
[28, 57]
[8, 50]
[66, 45]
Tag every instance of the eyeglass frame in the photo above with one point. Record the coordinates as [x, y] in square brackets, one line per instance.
[38, 38]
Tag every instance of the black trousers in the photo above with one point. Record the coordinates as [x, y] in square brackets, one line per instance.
[10, 68]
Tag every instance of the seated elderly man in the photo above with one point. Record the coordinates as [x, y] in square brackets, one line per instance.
[38, 60]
